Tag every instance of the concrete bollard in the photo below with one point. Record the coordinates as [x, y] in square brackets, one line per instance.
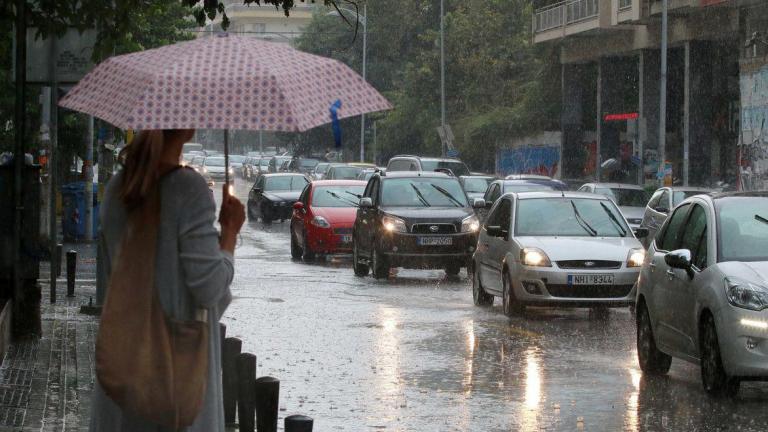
[231, 350]
[267, 397]
[298, 423]
[246, 375]
[71, 270]
[57, 258]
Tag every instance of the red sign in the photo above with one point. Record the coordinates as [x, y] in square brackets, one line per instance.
[622, 116]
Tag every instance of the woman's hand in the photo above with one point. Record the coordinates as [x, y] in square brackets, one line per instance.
[231, 219]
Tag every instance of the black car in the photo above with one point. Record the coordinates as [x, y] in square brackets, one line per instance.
[414, 220]
[273, 195]
[475, 185]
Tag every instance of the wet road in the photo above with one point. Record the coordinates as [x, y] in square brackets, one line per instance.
[412, 353]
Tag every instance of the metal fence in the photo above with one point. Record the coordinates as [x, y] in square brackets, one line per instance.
[566, 12]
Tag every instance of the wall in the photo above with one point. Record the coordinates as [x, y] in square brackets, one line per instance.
[537, 154]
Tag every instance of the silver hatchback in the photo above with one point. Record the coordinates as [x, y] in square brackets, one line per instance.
[703, 291]
[556, 249]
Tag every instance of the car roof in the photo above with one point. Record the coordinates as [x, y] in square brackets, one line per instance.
[284, 174]
[558, 194]
[338, 183]
[415, 174]
[752, 194]
[616, 185]
[427, 158]
[478, 176]
[686, 188]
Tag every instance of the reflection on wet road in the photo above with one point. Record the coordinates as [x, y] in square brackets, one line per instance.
[413, 354]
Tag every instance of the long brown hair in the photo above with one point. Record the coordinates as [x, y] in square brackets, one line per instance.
[141, 161]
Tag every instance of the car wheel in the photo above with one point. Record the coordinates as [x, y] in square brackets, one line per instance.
[479, 296]
[453, 269]
[360, 269]
[266, 215]
[380, 266]
[296, 251]
[251, 214]
[716, 381]
[308, 254]
[510, 304]
[652, 360]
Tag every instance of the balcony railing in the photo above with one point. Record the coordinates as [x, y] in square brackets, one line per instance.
[564, 13]
[625, 4]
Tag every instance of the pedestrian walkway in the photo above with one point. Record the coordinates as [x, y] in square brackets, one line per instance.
[46, 384]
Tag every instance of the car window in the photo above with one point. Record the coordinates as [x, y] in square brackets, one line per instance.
[585, 188]
[695, 228]
[500, 216]
[742, 228]
[476, 184]
[664, 201]
[375, 186]
[398, 165]
[489, 193]
[670, 236]
[423, 192]
[286, 183]
[336, 196]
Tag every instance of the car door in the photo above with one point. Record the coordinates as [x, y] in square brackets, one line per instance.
[366, 218]
[683, 290]
[659, 212]
[256, 193]
[299, 219]
[495, 248]
[663, 279]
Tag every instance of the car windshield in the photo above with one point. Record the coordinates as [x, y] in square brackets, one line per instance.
[346, 172]
[625, 197]
[569, 217]
[476, 184]
[422, 192]
[458, 168]
[680, 196]
[214, 161]
[337, 196]
[236, 159]
[742, 233]
[285, 183]
[528, 187]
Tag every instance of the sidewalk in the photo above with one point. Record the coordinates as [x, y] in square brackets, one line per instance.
[46, 384]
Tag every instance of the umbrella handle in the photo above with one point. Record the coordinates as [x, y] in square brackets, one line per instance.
[226, 157]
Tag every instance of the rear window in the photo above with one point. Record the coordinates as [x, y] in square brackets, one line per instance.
[286, 183]
[625, 197]
[457, 167]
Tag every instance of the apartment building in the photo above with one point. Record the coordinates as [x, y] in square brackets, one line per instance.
[266, 21]
[610, 59]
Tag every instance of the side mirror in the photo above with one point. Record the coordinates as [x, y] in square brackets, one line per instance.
[257, 190]
[488, 204]
[641, 232]
[298, 205]
[495, 231]
[366, 202]
[478, 203]
[680, 259]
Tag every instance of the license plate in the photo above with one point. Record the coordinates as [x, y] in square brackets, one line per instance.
[590, 279]
[435, 241]
[346, 239]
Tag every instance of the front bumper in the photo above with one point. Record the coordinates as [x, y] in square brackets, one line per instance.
[744, 348]
[280, 209]
[330, 240]
[404, 250]
[552, 286]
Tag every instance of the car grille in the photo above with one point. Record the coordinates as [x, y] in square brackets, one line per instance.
[342, 231]
[589, 291]
[427, 228]
[589, 264]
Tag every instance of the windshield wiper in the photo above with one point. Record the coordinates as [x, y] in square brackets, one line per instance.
[587, 227]
[340, 198]
[354, 194]
[447, 194]
[761, 219]
[420, 196]
[615, 220]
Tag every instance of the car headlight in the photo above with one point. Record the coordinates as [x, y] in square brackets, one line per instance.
[320, 222]
[393, 224]
[470, 224]
[635, 258]
[231, 171]
[534, 257]
[745, 294]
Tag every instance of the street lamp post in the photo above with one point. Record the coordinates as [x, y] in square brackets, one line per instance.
[363, 20]
[442, 71]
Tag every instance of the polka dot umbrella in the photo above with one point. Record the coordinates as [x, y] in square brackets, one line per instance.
[222, 82]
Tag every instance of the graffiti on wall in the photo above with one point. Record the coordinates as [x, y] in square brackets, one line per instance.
[542, 160]
[753, 149]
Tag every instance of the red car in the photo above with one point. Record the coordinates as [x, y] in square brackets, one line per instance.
[323, 217]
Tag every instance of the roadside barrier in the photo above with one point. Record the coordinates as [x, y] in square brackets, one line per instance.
[71, 270]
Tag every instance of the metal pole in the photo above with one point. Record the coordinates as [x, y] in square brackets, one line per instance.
[365, 50]
[261, 142]
[19, 127]
[442, 69]
[52, 171]
[88, 165]
[375, 146]
[226, 157]
[663, 92]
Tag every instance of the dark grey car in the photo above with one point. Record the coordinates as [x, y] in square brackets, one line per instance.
[663, 201]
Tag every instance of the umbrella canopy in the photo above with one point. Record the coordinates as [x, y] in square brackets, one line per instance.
[222, 82]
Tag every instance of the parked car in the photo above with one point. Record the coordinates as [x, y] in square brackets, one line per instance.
[558, 249]
[214, 167]
[276, 162]
[319, 171]
[342, 172]
[418, 163]
[702, 294]
[661, 203]
[272, 196]
[413, 220]
[323, 217]
[630, 198]
[498, 188]
[475, 185]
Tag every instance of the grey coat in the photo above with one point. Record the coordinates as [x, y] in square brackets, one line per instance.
[191, 272]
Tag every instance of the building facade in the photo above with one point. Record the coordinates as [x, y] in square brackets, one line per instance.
[611, 70]
[266, 21]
